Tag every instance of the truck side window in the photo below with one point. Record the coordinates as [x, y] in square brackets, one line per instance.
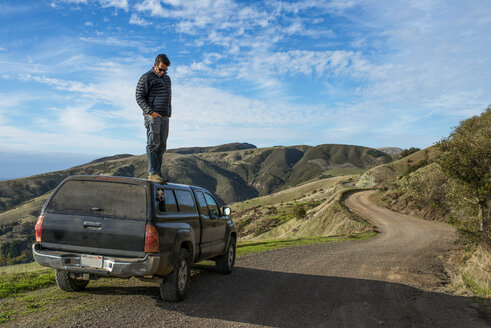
[167, 201]
[212, 205]
[186, 201]
[203, 208]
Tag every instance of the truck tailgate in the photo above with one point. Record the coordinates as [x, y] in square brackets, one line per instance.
[111, 236]
[100, 217]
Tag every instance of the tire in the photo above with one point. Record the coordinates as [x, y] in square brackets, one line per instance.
[68, 284]
[175, 286]
[225, 263]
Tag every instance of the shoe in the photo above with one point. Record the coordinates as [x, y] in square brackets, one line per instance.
[163, 179]
[157, 178]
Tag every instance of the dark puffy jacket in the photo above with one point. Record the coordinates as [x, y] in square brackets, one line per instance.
[153, 93]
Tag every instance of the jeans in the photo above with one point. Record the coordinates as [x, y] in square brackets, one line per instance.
[157, 133]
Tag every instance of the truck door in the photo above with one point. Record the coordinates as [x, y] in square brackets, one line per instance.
[219, 225]
[206, 226]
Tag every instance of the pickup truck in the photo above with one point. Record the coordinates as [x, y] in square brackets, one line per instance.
[105, 226]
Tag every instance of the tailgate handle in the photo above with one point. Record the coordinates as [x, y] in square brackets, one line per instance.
[96, 209]
[92, 224]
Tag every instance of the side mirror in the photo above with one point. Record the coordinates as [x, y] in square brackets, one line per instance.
[226, 211]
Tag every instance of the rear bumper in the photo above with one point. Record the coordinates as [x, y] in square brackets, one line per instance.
[122, 267]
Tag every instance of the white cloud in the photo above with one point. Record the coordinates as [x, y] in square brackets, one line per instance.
[80, 120]
[9, 101]
[63, 85]
[121, 4]
[72, 1]
[387, 70]
[13, 138]
[136, 20]
[153, 6]
[207, 105]
[194, 15]
[435, 57]
[113, 41]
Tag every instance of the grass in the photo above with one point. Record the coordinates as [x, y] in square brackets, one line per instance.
[14, 283]
[301, 211]
[339, 171]
[48, 300]
[472, 276]
[289, 194]
[20, 268]
[474, 287]
[244, 248]
[261, 246]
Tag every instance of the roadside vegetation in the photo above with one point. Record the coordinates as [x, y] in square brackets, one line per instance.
[407, 152]
[314, 208]
[260, 246]
[450, 182]
[24, 277]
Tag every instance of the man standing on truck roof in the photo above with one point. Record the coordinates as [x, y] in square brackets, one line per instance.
[153, 95]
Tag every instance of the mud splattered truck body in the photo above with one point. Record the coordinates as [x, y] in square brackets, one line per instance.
[96, 226]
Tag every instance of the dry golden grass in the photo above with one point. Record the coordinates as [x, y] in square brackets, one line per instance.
[20, 268]
[326, 217]
[387, 173]
[307, 191]
[473, 277]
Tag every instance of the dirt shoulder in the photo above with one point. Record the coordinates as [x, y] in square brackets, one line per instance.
[394, 279]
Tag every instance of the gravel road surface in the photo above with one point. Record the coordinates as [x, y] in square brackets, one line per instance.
[391, 280]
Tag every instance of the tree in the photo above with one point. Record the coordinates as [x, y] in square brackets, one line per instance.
[466, 156]
[407, 152]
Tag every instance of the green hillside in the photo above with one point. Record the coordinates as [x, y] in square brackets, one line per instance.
[385, 174]
[233, 175]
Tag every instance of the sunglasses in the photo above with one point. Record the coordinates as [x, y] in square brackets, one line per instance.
[162, 69]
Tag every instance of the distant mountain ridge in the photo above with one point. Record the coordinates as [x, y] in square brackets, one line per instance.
[234, 172]
[109, 158]
[213, 149]
[391, 150]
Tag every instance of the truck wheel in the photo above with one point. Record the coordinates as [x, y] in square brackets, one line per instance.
[175, 285]
[68, 284]
[225, 263]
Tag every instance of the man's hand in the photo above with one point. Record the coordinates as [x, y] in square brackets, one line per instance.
[154, 115]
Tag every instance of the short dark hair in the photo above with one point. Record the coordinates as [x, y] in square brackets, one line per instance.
[162, 58]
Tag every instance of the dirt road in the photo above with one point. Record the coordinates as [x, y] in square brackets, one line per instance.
[390, 280]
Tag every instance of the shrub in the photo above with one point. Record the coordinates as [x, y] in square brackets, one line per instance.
[407, 152]
[466, 157]
[299, 211]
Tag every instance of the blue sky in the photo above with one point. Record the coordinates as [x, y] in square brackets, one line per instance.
[370, 73]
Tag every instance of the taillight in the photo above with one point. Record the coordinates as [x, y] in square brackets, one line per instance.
[39, 228]
[151, 239]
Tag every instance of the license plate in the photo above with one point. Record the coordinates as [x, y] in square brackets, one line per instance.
[93, 261]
